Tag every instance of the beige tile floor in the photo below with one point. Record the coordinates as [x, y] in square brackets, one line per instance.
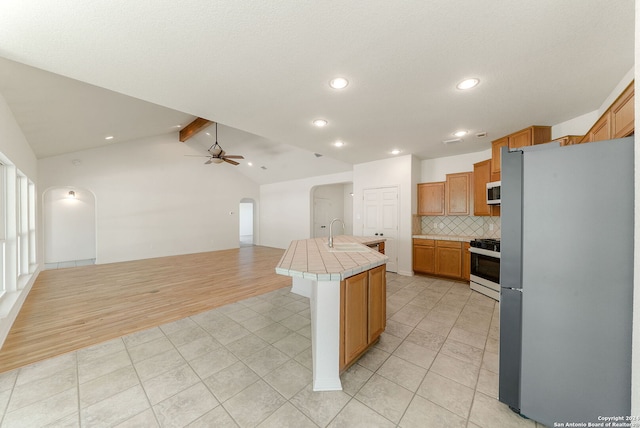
[249, 364]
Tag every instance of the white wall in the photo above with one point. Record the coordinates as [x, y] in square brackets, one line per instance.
[388, 172]
[347, 214]
[285, 208]
[437, 169]
[576, 126]
[153, 201]
[69, 225]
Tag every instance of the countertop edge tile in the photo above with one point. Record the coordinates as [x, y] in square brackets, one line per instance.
[336, 265]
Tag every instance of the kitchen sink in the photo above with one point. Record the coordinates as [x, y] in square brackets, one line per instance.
[347, 247]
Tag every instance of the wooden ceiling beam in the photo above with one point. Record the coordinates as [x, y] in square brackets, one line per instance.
[193, 128]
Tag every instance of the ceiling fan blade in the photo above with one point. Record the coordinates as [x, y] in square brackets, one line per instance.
[198, 156]
[208, 162]
[234, 157]
[231, 162]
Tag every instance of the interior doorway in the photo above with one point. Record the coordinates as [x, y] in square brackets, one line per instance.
[247, 222]
[69, 227]
[331, 201]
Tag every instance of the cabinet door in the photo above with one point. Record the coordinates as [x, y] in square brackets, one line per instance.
[449, 259]
[622, 114]
[602, 129]
[521, 138]
[496, 147]
[377, 303]
[458, 193]
[431, 198]
[466, 261]
[481, 176]
[424, 257]
[354, 313]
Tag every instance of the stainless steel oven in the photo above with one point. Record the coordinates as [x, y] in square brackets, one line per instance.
[485, 267]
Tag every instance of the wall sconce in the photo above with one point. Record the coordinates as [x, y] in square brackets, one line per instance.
[72, 194]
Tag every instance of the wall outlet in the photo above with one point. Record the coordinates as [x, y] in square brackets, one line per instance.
[435, 225]
[490, 226]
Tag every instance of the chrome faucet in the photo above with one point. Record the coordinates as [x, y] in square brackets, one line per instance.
[331, 230]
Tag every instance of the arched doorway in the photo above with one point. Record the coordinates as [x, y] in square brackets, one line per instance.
[247, 222]
[69, 227]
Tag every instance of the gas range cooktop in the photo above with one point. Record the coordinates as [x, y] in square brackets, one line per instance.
[486, 244]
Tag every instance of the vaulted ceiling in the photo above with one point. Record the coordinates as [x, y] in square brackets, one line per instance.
[74, 72]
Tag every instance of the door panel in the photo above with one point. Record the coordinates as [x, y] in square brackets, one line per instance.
[381, 218]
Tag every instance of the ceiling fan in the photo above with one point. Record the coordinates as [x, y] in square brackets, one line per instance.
[218, 155]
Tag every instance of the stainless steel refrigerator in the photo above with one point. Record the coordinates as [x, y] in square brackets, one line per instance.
[566, 277]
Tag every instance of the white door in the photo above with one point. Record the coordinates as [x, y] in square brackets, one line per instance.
[381, 219]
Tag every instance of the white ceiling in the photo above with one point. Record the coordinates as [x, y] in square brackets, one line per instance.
[136, 69]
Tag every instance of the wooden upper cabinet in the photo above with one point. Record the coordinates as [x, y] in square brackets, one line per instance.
[521, 138]
[601, 130]
[617, 121]
[568, 140]
[623, 114]
[481, 176]
[458, 193]
[431, 198]
[496, 148]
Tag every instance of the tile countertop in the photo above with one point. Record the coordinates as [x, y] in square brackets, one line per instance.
[311, 259]
[447, 237]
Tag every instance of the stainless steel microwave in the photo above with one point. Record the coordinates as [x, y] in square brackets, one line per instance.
[493, 193]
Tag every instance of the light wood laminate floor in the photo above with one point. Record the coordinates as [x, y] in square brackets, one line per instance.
[71, 309]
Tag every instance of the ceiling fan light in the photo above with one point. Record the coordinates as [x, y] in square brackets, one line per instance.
[217, 160]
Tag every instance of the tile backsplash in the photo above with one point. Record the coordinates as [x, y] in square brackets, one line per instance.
[487, 227]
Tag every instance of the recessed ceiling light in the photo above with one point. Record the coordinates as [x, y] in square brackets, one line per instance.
[339, 83]
[320, 123]
[460, 133]
[110, 137]
[338, 143]
[468, 83]
[250, 163]
[395, 152]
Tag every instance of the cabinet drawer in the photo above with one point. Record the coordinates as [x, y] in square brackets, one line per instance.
[450, 244]
[424, 242]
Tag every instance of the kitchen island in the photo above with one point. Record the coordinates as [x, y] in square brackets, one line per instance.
[346, 286]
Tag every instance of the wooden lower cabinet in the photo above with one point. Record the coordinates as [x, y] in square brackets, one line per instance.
[424, 256]
[377, 299]
[466, 261]
[362, 313]
[449, 259]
